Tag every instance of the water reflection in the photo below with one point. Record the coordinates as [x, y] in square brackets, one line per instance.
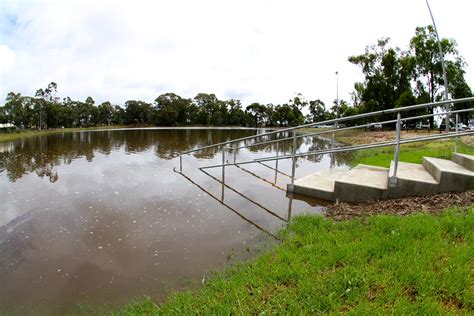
[42, 154]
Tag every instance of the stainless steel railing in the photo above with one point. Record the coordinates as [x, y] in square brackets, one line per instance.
[294, 137]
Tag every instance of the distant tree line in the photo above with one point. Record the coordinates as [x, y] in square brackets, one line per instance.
[392, 78]
[169, 109]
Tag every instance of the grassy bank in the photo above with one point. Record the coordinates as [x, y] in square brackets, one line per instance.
[410, 152]
[9, 136]
[419, 264]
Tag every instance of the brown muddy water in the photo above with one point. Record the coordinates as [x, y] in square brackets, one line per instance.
[96, 218]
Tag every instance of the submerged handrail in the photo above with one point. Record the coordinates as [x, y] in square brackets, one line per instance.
[397, 142]
[345, 149]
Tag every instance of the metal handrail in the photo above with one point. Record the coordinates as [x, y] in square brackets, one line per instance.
[397, 142]
[346, 149]
[336, 120]
[332, 130]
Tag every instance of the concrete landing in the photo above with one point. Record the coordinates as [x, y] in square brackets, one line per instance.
[451, 176]
[319, 184]
[362, 183]
[467, 161]
[412, 180]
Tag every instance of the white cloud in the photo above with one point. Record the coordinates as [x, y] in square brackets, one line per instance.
[253, 50]
[8, 57]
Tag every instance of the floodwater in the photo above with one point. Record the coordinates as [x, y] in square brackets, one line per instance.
[96, 218]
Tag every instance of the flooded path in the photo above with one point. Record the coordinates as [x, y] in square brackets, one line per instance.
[99, 217]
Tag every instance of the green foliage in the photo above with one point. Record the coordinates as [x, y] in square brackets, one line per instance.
[419, 264]
[394, 78]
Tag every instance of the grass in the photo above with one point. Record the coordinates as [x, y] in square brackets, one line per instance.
[9, 136]
[419, 264]
[413, 153]
[382, 156]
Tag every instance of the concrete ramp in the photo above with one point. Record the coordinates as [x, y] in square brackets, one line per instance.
[364, 183]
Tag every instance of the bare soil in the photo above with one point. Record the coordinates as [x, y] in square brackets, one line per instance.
[429, 204]
[368, 137]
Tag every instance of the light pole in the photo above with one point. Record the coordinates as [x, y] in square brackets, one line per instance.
[441, 55]
[337, 94]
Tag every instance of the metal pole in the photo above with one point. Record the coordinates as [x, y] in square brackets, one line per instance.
[393, 179]
[223, 165]
[441, 55]
[276, 161]
[235, 154]
[337, 94]
[293, 154]
[180, 163]
[290, 206]
[457, 131]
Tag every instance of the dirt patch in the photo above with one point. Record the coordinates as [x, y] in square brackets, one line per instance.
[430, 204]
[358, 137]
[370, 137]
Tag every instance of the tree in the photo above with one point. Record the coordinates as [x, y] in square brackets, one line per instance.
[207, 104]
[171, 110]
[428, 68]
[387, 73]
[138, 112]
[258, 112]
[235, 112]
[14, 110]
[317, 109]
[106, 112]
[44, 96]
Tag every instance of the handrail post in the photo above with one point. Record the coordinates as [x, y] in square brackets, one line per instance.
[293, 154]
[276, 161]
[180, 163]
[393, 178]
[235, 154]
[277, 153]
[223, 164]
[457, 131]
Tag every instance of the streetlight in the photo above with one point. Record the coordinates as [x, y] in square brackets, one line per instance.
[337, 94]
[441, 55]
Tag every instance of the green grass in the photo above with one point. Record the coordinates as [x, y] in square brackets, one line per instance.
[9, 136]
[419, 264]
[409, 153]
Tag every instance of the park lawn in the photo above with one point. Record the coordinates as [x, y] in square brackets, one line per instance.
[418, 264]
[9, 136]
[413, 152]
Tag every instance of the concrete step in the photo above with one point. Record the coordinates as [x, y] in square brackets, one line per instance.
[412, 180]
[451, 176]
[467, 161]
[362, 183]
[319, 185]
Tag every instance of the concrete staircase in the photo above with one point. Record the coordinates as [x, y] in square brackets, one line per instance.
[363, 183]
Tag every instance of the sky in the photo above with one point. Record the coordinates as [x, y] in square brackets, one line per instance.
[254, 51]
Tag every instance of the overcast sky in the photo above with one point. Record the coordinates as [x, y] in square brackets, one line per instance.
[255, 51]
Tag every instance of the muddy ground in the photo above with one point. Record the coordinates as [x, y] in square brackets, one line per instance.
[430, 204]
[367, 137]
